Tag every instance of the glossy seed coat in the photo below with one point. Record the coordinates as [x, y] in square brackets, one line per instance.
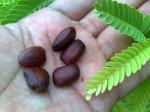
[66, 75]
[64, 39]
[73, 52]
[37, 79]
[32, 57]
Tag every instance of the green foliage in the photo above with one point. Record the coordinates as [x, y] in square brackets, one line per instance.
[123, 18]
[146, 25]
[45, 3]
[123, 64]
[136, 101]
[15, 11]
[5, 2]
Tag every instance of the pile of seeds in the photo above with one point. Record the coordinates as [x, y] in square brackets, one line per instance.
[31, 60]
[34, 57]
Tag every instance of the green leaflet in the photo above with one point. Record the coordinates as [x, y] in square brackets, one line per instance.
[122, 17]
[123, 64]
[5, 2]
[45, 3]
[15, 11]
[146, 25]
[136, 101]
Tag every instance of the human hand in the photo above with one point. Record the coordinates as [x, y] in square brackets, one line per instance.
[40, 29]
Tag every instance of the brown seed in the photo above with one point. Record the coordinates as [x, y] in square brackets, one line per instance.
[37, 79]
[66, 75]
[64, 39]
[73, 52]
[32, 57]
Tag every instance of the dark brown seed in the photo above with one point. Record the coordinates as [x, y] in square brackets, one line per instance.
[37, 79]
[32, 57]
[73, 52]
[66, 75]
[64, 39]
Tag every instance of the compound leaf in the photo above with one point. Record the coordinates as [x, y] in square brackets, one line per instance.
[122, 17]
[15, 11]
[125, 63]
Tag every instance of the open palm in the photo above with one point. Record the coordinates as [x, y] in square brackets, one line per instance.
[40, 29]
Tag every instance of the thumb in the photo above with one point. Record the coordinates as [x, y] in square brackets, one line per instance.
[11, 43]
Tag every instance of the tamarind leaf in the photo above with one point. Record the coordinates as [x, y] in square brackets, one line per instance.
[123, 64]
[13, 12]
[126, 19]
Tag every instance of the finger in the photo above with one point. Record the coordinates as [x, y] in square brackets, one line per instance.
[111, 41]
[134, 3]
[75, 9]
[145, 8]
[11, 44]
[95, 26]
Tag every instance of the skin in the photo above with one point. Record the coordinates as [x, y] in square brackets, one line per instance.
[40, 29]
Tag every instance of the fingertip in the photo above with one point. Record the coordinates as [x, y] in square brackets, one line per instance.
[75, 9]
[145, 7]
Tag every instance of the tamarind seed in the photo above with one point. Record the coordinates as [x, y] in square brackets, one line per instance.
[32, 57]
[37, 79]
[66, 75]
[73, 52]
[64, 39]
